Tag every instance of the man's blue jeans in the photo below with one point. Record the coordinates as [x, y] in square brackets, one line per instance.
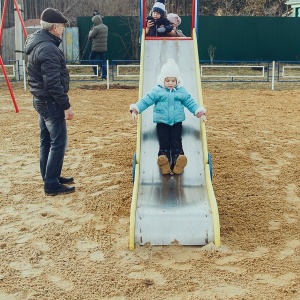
[53, 140]
[102, 62]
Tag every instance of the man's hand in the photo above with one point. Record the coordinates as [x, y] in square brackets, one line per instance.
[69, 114]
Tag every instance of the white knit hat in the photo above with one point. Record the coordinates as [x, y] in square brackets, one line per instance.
[174, 18]
[169, 69]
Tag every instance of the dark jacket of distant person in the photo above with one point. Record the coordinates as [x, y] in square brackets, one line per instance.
[99, 34]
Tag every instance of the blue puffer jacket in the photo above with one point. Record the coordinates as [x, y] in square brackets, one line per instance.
[169, 104]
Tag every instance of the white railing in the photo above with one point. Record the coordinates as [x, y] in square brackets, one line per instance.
[284, 68]
[11, 74]
[237, 72]
[70, 67]
[119, 67]
[218, 71]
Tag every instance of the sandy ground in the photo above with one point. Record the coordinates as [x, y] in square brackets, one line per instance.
[76, 246]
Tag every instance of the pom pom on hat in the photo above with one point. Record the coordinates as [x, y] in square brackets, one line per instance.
[159, 6]
[174, 18]
[169, 69]
[52, 15]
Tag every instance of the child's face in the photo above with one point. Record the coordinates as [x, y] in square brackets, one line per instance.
[176, 21]
[156, 15]
[170, 82]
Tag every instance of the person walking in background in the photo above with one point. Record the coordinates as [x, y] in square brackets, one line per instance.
[99, 35]
[169, 100]
[49, 79]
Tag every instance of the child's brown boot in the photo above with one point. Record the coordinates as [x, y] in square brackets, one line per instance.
[164, 164]
[180, 163]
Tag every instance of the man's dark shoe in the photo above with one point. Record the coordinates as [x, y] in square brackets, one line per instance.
[66, 180]
[59, 190]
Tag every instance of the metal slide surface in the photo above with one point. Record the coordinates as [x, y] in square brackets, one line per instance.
[172, 209]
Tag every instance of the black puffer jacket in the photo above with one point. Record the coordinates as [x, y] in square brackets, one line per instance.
[48, 76]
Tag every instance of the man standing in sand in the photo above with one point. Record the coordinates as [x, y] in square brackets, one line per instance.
[49, 79]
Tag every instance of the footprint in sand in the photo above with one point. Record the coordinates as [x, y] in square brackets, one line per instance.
[291, 195]
[289, 250]
[88, 248]
[259, 252]
[268, 168]
[61, 283]
[282, 280]
[150, 276]
[26, 269]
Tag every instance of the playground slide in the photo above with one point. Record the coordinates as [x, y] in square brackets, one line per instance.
[177, 209]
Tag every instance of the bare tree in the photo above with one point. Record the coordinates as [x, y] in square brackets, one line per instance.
[280, 7]
[75, 8]
[264, 8]
[180, 7]
[132, 48]
[254, 8]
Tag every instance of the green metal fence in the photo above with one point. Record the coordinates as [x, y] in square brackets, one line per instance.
[250, 38]
[234, 38]
[121, 30]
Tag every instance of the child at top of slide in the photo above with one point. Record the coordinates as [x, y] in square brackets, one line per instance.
[157, 23]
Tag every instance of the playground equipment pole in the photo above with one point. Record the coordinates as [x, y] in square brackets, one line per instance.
[196, 6]
[1, 60]
[9, 85]
[20, 16]
[2, 20]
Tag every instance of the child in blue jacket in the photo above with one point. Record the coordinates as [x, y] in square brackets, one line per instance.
[157, 23]
[169, 100]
